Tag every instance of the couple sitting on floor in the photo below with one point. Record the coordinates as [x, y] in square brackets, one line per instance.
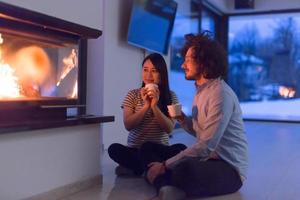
[216, 164]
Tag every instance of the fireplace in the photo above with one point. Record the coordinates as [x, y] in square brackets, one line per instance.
[42, 66]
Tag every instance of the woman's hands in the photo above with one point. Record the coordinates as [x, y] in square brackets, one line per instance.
[150, 97]
[145, 97]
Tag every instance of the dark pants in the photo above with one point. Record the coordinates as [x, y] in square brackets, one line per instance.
[130, 157]
[199, 178]
[151, 152]
[127, 157]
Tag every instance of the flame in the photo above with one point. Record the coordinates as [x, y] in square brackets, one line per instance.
[286, 92]
[9, 86]
[32, 64]
[1, 39]
[69, 63]
[28, 72]
[22, 73]
[75, 89]
[1, 42]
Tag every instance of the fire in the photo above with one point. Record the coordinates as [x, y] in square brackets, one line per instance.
[26, 70]
[22, 73]
[9, 86]
[69, 63]
[32, 65]
[75, 89]
[286, 92]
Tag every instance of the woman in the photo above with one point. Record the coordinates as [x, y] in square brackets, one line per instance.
[146, 117]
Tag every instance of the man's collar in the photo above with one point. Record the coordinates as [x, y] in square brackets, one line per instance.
[206, 84]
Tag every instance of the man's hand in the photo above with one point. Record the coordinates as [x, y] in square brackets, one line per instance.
[180, 118]
[155, 169]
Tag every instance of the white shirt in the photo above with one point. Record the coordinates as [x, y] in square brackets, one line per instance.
[217, 124]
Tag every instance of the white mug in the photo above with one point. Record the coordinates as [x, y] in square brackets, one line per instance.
[151, 86]
[174, 110]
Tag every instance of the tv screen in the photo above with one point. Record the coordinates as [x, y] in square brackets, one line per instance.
[151, 24]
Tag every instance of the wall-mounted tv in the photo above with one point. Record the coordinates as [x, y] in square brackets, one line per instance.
[151, 24]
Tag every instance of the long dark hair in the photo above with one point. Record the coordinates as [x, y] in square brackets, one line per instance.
[209, 53]
[165, 95]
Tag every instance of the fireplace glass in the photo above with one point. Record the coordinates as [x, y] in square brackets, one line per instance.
[32, 69]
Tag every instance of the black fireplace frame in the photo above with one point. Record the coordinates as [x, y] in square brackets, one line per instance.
[16, 20]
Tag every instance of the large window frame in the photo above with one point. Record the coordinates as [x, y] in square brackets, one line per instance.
[285, 11]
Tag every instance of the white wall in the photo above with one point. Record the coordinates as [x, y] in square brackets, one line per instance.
[35, 162]
[122, 67]
[88, 13]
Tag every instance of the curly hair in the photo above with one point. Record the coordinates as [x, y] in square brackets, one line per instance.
[208, 53]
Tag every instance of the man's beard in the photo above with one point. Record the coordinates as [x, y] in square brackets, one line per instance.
[188, 78]
[194, 76]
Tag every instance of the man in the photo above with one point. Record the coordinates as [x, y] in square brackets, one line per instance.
[217, 163]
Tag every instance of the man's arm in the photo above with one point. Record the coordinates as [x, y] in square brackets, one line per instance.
[186, 123]
[220, 108]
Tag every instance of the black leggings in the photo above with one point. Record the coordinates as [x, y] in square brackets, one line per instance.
[197, 178]
[153, 152]
[126, 156]
[130, 157]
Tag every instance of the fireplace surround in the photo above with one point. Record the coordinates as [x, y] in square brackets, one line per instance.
[43, 63]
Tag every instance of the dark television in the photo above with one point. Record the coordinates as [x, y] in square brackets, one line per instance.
[151, 24]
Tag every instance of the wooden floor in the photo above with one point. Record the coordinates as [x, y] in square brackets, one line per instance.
[274, 151]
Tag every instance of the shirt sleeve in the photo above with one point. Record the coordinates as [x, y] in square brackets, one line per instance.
[129, 100]
[187, 125]
[220, 107]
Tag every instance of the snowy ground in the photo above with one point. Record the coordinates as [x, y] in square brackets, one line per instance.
[278, 109]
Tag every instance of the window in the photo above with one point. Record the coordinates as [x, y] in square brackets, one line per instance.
[264, 65]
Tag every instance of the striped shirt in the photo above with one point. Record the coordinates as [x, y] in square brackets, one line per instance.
[149, 128]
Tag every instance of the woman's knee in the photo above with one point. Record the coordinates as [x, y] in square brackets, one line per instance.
[179, 146]
[114, 149]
